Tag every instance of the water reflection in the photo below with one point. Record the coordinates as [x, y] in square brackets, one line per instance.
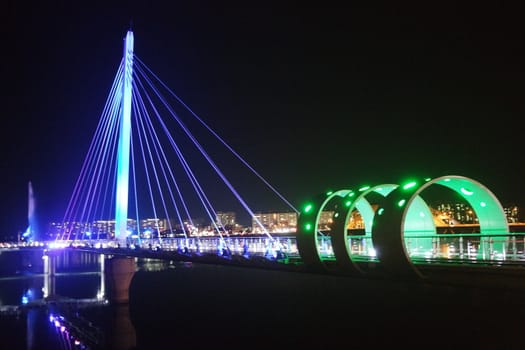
[175, 303]
[60, 299]
[47, 295]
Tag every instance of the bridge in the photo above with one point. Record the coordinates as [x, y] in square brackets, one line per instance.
[129, 165]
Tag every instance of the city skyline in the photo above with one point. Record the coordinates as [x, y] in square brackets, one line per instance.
[452, 215]
[313, 98]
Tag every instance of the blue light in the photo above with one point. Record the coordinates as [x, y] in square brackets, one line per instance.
[27, 296]
[123, 154]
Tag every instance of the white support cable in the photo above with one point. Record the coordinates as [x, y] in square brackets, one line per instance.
[142, 64]
[140, 118]
[101, 163]
[74, 200]
[210, 161]
[167, 165]
[134, 181]
[96, 167]
[90, 193]
[198, 189]
[163, 163]
[148, 179]
[108, 180]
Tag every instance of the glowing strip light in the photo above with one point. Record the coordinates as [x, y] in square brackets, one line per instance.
[409, 185]
[466, 192]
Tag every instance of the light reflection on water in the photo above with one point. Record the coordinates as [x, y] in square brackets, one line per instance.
[72, 285]
[176, 303]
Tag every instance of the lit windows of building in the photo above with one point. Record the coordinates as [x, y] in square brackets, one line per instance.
[512, 212]
[274, 222]
[225, 218]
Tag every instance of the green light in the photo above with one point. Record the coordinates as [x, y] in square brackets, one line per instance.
[483, 204]
[308, 208]
[364, 188]
[347, 203]
[409, 185]
[351, 194]
[308, 227]
[427, 179]
[329, 193]
[380, 211]
[466, 192]
[336, 215]
[401, 203]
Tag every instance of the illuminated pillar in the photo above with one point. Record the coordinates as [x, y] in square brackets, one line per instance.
[49, 274]
[121, 210]
[45, 289]
[102, 291]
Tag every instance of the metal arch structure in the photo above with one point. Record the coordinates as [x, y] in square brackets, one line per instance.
[342, 250]
[401, 225]
[395, 219]
[309, 235]
[307, 227]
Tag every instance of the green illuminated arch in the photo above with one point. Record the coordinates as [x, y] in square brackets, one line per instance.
[308, 234]
[354, 200]
[420, 220]
[401, 215]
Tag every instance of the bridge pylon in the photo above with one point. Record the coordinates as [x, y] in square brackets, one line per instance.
[124, 143]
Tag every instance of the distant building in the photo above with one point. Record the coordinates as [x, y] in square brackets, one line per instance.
[512, 213]
[445, 214]
[225, 218]
[457, 213]
[274, 222]
[462, 213]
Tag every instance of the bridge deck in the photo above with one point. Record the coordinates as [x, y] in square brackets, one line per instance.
[454, 272]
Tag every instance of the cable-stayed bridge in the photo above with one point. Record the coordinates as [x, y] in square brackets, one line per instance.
[152, 156]
[146, 161]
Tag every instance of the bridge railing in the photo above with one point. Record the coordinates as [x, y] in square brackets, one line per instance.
[420, 247]
[424, 246]
[247, 246]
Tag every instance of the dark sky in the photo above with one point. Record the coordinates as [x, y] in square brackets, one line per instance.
[313, 97]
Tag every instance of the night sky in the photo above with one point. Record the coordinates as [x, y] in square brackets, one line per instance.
[314, 98]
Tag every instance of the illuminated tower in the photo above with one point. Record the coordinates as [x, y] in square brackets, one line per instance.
[121, 200]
